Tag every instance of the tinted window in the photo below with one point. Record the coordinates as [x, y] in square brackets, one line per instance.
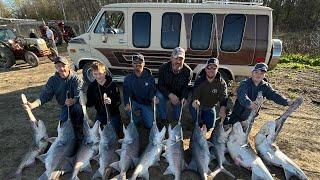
[201, 31]
[141, 29]
[112, 21]
[232, 32]
[170, 30]
[262, 32]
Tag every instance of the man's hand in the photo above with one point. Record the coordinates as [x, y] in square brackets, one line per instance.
[155, 100]
[127, 108]
[222, 113]
[174, 99]
[107, 100]
[69, 102]
[196, 104]
[253, 105]
[31, 106]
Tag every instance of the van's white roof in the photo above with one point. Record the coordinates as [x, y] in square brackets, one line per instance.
[207, 5]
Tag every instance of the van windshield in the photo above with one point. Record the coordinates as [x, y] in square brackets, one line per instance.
[6, 34]
[112, 21]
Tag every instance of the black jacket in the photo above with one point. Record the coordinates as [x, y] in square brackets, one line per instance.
[94, 98]
[174, 83]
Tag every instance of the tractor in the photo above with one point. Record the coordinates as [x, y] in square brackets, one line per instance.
[13, 47]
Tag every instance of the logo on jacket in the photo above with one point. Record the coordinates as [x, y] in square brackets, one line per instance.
[146, 84]
[214, 91]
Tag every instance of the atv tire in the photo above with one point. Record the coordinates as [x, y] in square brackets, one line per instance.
[7, 58]
[53, 55]
[31, 58]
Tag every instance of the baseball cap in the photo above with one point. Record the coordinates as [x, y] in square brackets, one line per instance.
[260, 66]
[61, 59]
[214, 61]
[137, 58]
[178, 52]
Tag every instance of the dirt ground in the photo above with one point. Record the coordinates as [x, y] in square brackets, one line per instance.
[299, 138]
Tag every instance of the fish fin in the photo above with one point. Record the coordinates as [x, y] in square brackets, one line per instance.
[96, 175]
[87, 169]
[115, 165]
[42, 158]
[118, 151]
[168, 171]
[193, 165]
[51, 140]
[135, 161]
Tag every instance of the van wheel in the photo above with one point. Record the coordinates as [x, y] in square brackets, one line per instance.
[31, 58]
[87, 72]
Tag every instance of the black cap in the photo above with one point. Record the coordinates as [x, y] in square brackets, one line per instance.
[261, 67]
[214, 61]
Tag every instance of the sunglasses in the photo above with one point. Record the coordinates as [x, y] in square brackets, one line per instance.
[211, 67]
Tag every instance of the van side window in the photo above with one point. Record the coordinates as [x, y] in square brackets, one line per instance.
[201, 31]
[170, 30]
[141, 29]
[232, 32]
[111, 22]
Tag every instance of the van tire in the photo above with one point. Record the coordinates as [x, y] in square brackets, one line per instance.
[87, 72]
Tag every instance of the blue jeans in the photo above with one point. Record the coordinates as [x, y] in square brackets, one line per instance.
[146, 113]
[76, 114]
[162, 107]
[206, 115]
[115, 121]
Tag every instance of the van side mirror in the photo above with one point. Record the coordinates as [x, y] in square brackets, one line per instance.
[107, 32]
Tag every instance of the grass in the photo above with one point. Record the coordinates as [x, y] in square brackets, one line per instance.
[299, 62]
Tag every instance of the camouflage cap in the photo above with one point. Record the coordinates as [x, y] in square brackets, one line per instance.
[137, 58]
[61, 59]
[178, 52]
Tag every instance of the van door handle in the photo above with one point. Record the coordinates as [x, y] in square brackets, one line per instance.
[121, 41]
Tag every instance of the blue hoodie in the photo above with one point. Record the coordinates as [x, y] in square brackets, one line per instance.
[58, 87]
[248, 91]
[140, 89]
